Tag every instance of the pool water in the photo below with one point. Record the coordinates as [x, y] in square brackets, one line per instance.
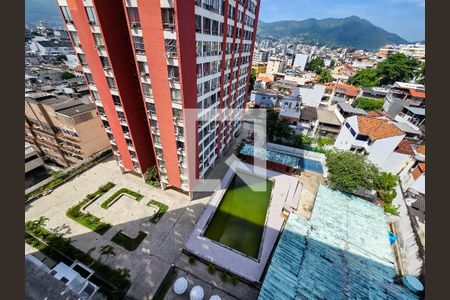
[284, 159]
[239, 220]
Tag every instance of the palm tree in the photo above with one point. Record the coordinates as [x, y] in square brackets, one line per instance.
[106, 250]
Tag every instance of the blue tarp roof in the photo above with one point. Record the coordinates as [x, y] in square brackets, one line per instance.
[343, 252]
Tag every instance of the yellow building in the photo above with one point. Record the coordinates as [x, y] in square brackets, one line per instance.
[259, 68]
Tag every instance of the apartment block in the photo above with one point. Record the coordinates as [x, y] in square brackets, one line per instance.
[149, 63]
[63, 130]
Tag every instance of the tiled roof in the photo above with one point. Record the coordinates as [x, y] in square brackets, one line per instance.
[377, 128]
[416, 93]
[405, 147]
[264, 78]
[421, 149]
[350, 90]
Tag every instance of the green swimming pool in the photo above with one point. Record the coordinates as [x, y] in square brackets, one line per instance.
[239, 220]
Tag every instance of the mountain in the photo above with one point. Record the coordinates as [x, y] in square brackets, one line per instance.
[352, 32]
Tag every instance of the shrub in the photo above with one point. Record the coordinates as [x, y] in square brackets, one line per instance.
[211, 269]
[223, 276]
[191, 260]
[115, 196]
[162, 210]
[389, 208]
[234, 280]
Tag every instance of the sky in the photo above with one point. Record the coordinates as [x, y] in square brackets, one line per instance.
[403, 17]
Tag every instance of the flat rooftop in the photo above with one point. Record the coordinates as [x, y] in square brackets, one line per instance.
[343, 252]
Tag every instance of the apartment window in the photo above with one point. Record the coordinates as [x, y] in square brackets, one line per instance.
[95, 95]
[175, 94]
[111, 82]
[177, 112]
[82, 59]
[91, 15]
[133, 17]
[105, 63]
[74, 37]
[98, 39]
[199, 48]
[167, 18]
[116, 100]
[206, 48]
[66, 14]
[143, 68]
[173, 72]
[150, 106]
[206, 25]
[138, 42]
[198, 24]
[89, 78]
[170, 46]
[206, 69]
[199, 70]
[215, 27]
[147, 90]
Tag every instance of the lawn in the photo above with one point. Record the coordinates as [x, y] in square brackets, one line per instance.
[162, 210]
[86, 219]
[110, 201]
[128, 243]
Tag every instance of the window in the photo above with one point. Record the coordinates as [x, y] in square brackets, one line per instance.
[66, 14]
[206, 25]
[98, 39]
[133, 17]
[111, 82]
[199, 48]
[175, 94]
[143, 68]
[199, 70]
[116, 100]
[150, 106]
[198, 24]
[89, 78]
[147, 90]
[170, 46]
[138, 42]
[91, 15]
[105, 63]
[215, 27]
[172, 72]
[82, 59]
[167, 18]
[74, 37]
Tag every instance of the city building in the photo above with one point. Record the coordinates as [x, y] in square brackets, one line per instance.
[51, 48]
[260, 56]
[373, 135]
[290, 110]
[307, 121]
[310, 95]
[340, 92]
[416, 50]
[344, 110]
[259, 68]
[404, 94]
[32, 158]
[63, 130]
[276, 65]
[264, 98]
[300, 61]
[196, 54]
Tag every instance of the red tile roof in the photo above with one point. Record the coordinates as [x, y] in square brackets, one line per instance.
[416, 93]
[405, 147]
[377, 128]
[350, 90]
[421, 149]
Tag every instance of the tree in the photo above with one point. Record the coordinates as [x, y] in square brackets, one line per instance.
[61, 57]
[420, 74]
[369, 104]
[397, 67]
[349, 171]
[315, 65]
[364, 78]
[325, 76]
[67, 75]
[252, 80]
[107, 250]
[302, 140]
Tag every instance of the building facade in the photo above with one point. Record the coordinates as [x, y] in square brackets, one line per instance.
[150, 63]
[63, 130]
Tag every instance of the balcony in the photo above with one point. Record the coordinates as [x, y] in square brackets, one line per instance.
[169, 26]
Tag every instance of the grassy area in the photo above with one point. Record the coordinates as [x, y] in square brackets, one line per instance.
[113, 283]
[116, 195]
[86, 219]
[162, 210]
[63, 176]
[128, 243]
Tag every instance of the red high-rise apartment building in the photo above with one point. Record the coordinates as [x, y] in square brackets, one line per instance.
[149, 61]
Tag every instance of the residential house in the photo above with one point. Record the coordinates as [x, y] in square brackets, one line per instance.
[300, 61]
[311, 95]
[340, 92]
[413, 116]
[264, 98]
[344, 110]
[284, 86]
[404, 94]
[290, 109]
[375, 136]
[276, 65]
[374, 92]
[263, 81]
[307, 121]
[342, 72]
[327, 123]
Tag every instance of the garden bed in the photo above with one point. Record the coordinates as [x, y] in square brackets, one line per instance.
[128, 243]
[116, 196]
[162, 210]
[86, 219]
[113, 283]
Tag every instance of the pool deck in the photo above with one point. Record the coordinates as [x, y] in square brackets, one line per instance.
[231, 260]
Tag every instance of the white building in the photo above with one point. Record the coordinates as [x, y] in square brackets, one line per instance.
[290, 110]
[310, 95]
[275, 65]
[264, 98]
[375, 136]
[45, 47]
[300, 61]
[32, 158]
